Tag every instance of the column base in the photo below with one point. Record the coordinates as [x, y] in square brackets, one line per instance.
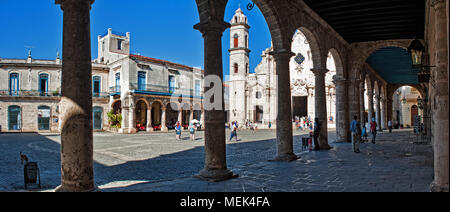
[150, 129]
[285, 157]
[327, 147]
[439, 188]
[61, 189]
[216, 175]
[164, 129]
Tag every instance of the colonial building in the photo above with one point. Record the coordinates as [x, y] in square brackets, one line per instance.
[146, 93]
[258, 104]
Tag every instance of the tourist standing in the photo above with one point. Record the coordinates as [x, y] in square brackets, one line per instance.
[354, 125]
[317, 128]
[373, 130]
[192, 131]
[390, 126]
[178, 131]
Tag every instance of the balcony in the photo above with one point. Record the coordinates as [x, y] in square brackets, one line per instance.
[163, 90]
[115, 90]
[29, 93]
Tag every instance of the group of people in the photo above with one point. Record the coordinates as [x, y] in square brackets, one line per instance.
[355, 128]
[303, 123]
[178, 130]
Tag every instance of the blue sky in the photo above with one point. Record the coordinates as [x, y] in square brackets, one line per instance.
[161, 29]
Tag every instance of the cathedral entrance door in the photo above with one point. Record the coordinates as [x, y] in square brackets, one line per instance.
[300, 106]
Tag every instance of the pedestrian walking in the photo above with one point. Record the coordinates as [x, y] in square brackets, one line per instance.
[192, 131]
[364, 134]
[310, 141]
[373, 130]
[390, 126]
[233, 132]
[354, 125]
[178, 131]
[317, 129]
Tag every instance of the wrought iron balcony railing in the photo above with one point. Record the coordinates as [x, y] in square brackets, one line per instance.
[29, 93]
[164, 90]
[34, 93]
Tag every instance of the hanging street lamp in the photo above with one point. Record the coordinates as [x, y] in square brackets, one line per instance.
[416, 49]
[420, 61]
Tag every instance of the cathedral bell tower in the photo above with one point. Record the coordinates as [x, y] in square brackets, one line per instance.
[239, 67]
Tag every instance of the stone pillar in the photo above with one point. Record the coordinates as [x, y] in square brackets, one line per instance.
[353, 97]
[389, 110]
[342, 123]
[77, 164]
[362, 108]
[440, 103]
[285, 142]
[191, 115]
[180, 116]
[132, 117]
[370, 109]
[321, 107]
[163, 120]
[378, 112]
[149, 120]
[383, 113]
[202, 119]
[215, 147]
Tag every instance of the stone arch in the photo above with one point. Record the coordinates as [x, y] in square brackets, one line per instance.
[156, 118]
[363, 50]
[116, 106]
[393, 88]
[369, 84]
[338, 62]
[144, 100]
[376, 88]
[157, 101]
[141, 114]
[312, 40]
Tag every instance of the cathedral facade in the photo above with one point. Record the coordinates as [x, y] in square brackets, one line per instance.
[258, 103]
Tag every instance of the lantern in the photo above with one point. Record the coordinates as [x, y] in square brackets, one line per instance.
[416, 49]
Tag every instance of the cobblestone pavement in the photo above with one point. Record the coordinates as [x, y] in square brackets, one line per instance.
[157, 162]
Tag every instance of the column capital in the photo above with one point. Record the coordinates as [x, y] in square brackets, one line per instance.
[63, 3]
[212, 26]
[339, 80]
[319, 71]
[282, 53]
[436, 3]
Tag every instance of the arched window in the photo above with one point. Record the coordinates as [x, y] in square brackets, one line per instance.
[14, 84]
[236, 40]
[43, 118]
[235, 20]
[14, 118]
[43, 84]
[236, 68]
[247, 69]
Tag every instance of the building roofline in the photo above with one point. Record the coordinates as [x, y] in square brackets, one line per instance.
[159, 61]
